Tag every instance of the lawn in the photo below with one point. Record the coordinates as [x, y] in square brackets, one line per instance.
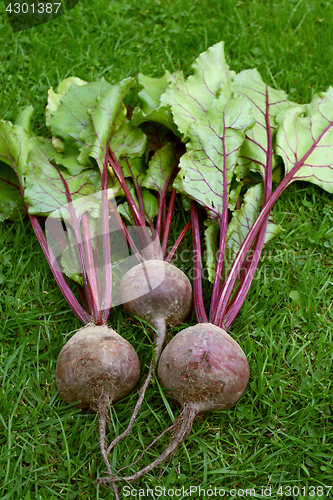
[277, 441]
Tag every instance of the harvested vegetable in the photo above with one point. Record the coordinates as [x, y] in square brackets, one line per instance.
[96, 367]
[238, 131]
[245, 143]
[154, 290]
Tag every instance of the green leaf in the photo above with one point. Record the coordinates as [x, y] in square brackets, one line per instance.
[125, 212]
[128, 141]
[44, 189]
[134, 168]
[54, 98]
[14, 147]
[150, 204]
[253, 154]
[62, 159]
[106, 118]
[150, 107]
[190, 99]
[73, 115]
[11, 202]
[243, 219]
[152, 90]
[24, 117]
[297, 297]
[214, 145]
[160, 168]
[212, 246]
[306, 132]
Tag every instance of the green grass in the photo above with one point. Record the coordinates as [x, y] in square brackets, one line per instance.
[280, 432]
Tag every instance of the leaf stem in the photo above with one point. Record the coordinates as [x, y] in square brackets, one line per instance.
[168, 222]
[106, 246]
[197, 278]
[139, 220]
[59, 277]
[178, 241]
[252, 265]
[91, 274]
[228, 286]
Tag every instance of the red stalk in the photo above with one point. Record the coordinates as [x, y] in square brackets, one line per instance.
[51, 260]
[139, 220]
[138, 191]
[178, 241]
[106, 246]
[197, 279]
[251, 266]
[168, 222]
[227, 289]
[91, 274]
[127, 236]
[78, 238]
[223, 223]
[66, 291]
[161, 200]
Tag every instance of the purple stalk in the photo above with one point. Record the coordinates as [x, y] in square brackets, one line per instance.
[66, 291]
[197, 279]
[178, 241]
[138, 191]
[162, 200]
[139, 220]
[168, 222]
[126, 236]
[106, 246]
[82, 295]
[76, 228]
[51, 260]
[60, 240]
[163, 212]
[219, 266]
[251, 266]
[223, 223]
[91, 269]
[96, 253]
[227, 289]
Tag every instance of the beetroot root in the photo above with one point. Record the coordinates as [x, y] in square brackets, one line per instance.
[94, 363]
[204, 367]
[161, 292]
[205, 370]
[144, 295]
[95, 367]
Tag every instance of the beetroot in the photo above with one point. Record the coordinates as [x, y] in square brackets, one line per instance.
[144, 291]
[167, 301]
[96, 363]
[97, 367]
[205, 370]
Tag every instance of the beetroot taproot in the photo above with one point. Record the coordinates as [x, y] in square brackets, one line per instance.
[204, 369]
[96, 362]
[162, 293]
